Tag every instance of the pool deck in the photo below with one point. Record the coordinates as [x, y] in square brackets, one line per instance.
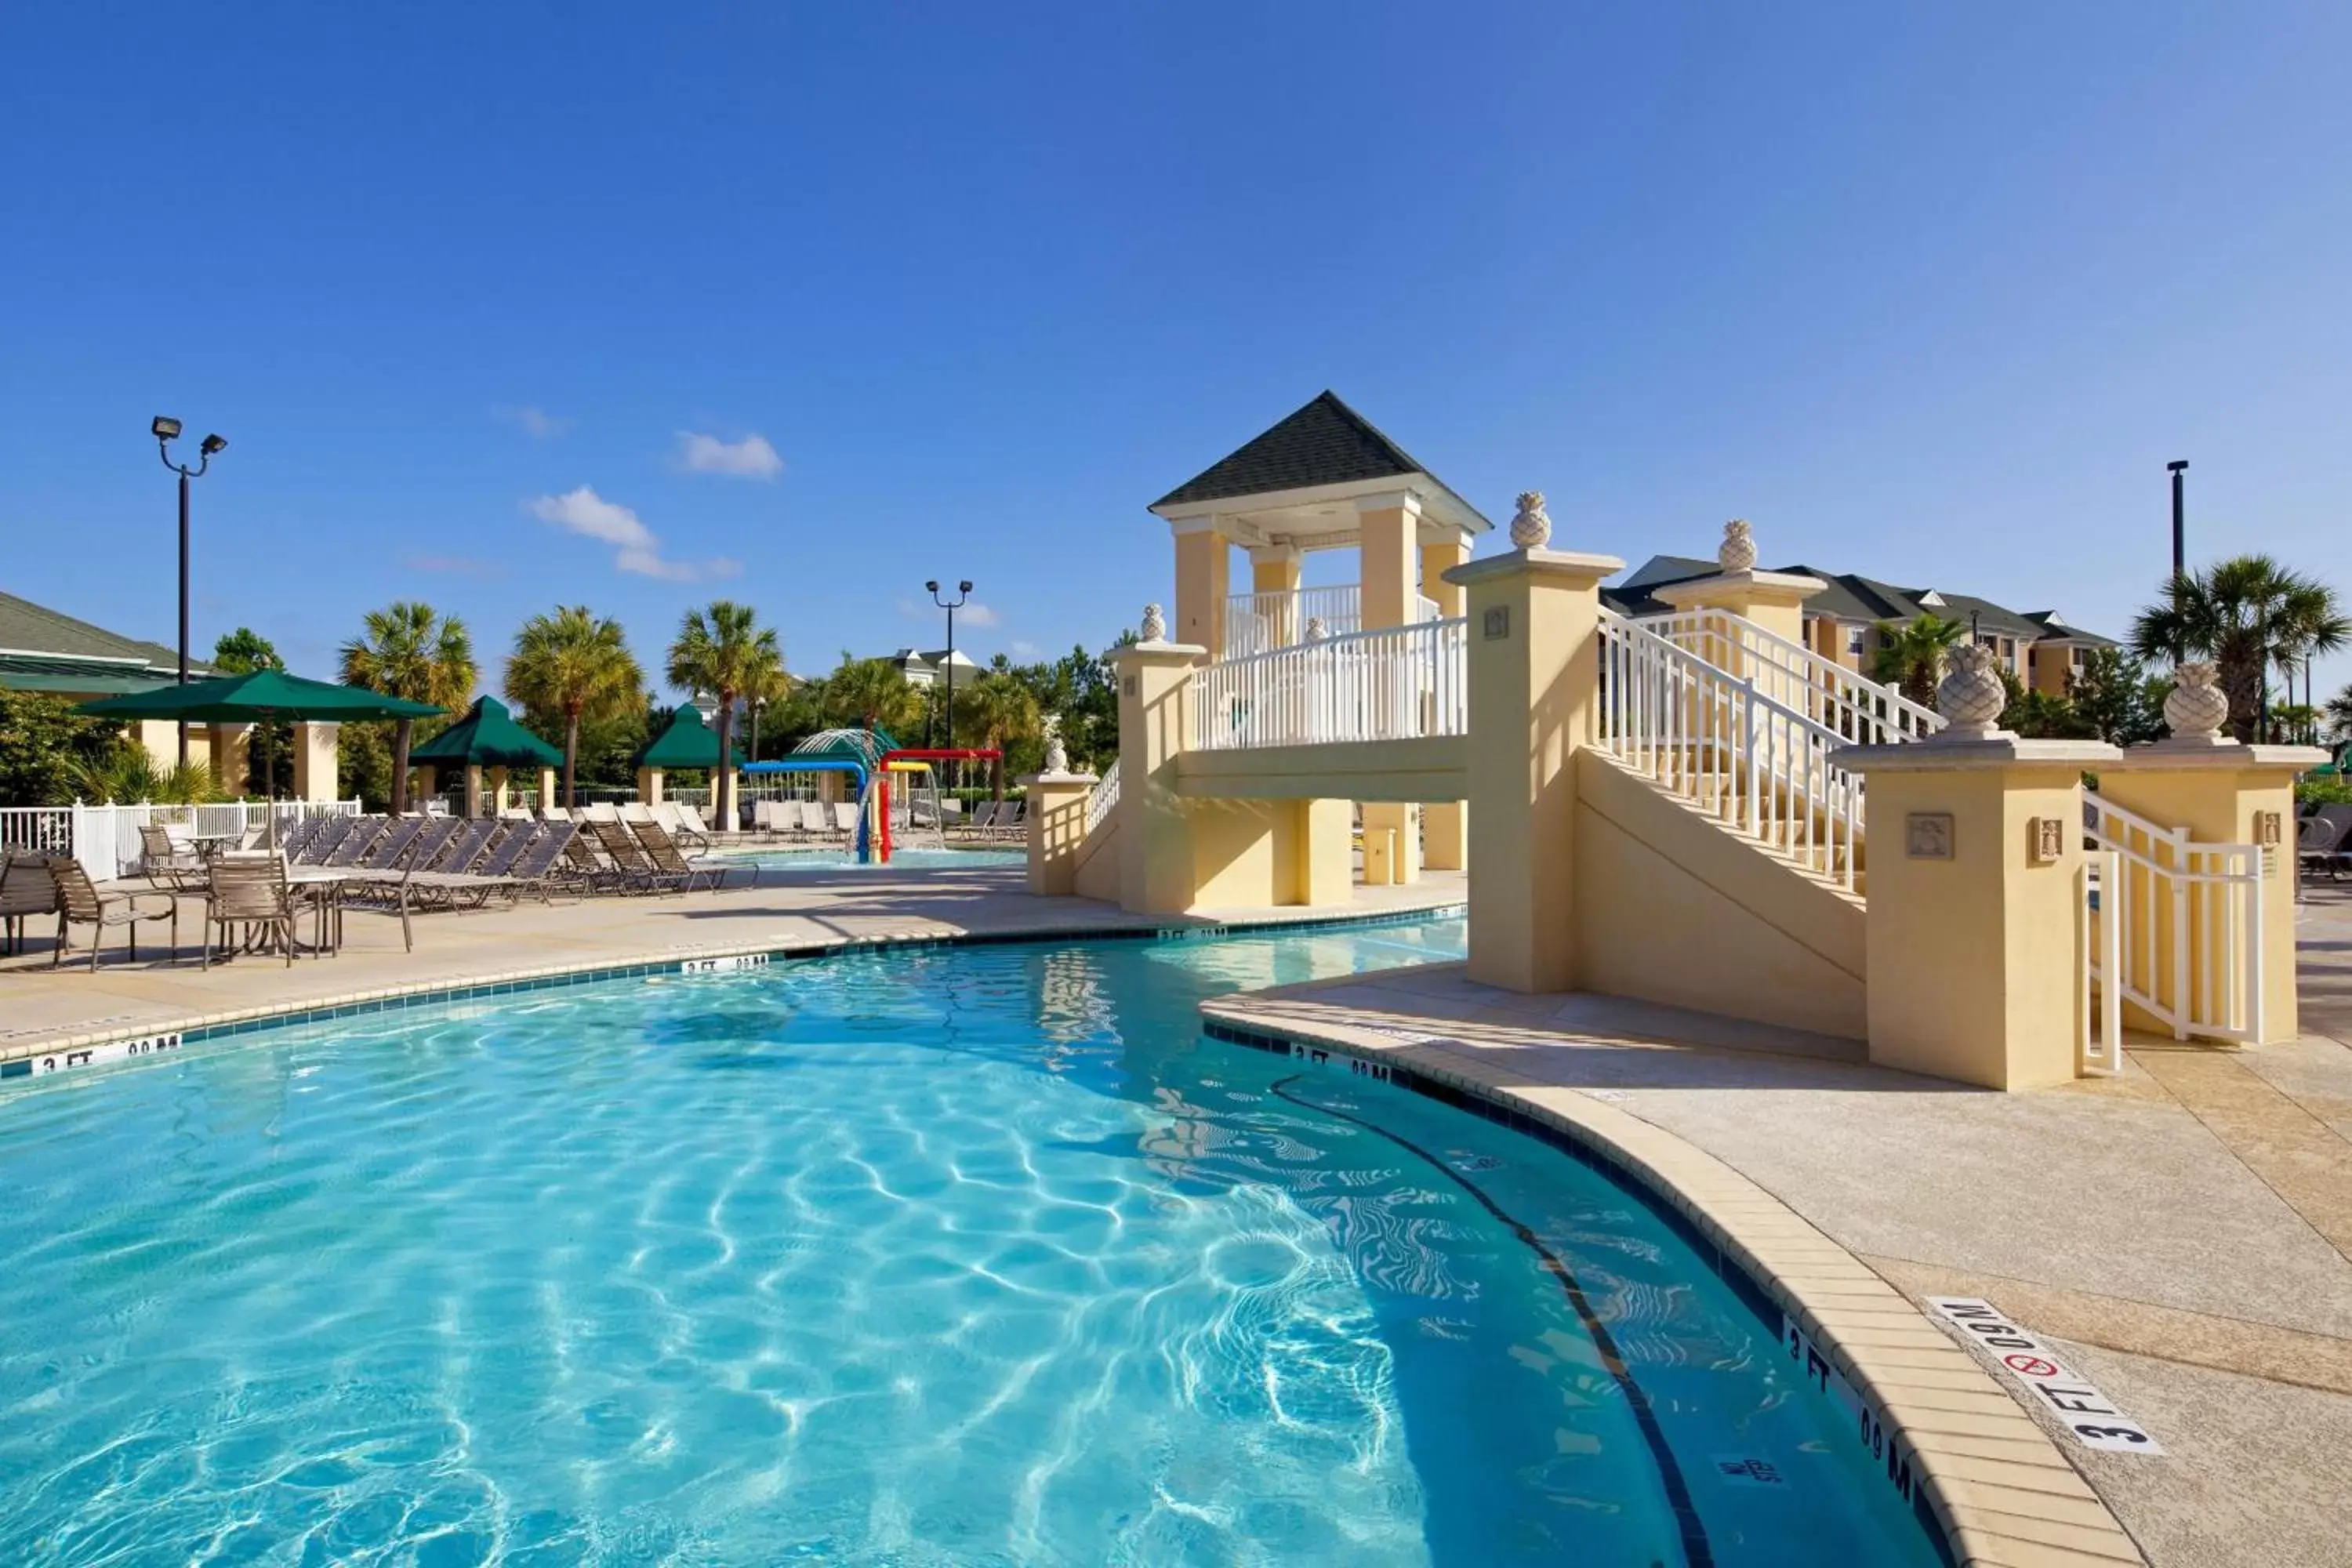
[2182, 1232]
[804, 909]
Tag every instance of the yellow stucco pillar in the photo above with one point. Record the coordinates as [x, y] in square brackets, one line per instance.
[649, 786]
[473, 791]
[314, 761]
[1774, 601]
[2224, 792]
[160, 740]
[550, 785]
[1975, 866]
[1534, 681]
[1155, 725]
[498, 800]
[230, 747]
[1274, 582]
[1315, 839]
[1389, 539]
[1057, 830]
[1445, 825]
[1203, 562]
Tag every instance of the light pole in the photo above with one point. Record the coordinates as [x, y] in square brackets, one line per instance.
[963, 592]
[2180, 520]
[166, 430]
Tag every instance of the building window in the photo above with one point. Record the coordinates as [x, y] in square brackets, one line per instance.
[1853, 637]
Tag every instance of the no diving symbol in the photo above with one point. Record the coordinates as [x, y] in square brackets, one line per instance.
[2029, 1366]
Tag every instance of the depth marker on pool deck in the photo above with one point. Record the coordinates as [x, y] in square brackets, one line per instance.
[2073, 1399]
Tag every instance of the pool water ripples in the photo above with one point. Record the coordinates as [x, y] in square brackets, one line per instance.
[957, 1256]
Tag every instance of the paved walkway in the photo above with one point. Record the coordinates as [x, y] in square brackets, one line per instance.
[2183, 1230]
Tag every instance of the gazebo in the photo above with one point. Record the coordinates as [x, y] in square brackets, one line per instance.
[488, 737]
[688, 742]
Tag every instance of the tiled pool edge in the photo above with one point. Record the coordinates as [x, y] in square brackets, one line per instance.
[57, 1053]
[1988, 1485]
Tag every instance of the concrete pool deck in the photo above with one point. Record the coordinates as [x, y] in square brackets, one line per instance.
[2182, 1232]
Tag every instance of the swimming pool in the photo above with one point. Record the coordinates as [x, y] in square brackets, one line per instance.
[968, 1255]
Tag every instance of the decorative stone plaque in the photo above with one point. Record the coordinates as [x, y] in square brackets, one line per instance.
[1497, 624]
[1928, 835]
[2268, 827]
[1131, 686]
[2045, 840]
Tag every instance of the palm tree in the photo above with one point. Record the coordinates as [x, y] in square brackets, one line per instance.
[2338, 710]
[574, 663]
[724, 651]
[1911, 655]
[408, 650]
[870, 694]
[1002, 709]
[2246, 614]
[774, 688]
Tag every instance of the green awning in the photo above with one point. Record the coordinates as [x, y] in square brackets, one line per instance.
[263, 694]
[488, 737]
[688, 742]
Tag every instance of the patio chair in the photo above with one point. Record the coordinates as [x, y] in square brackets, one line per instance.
[691, 828]
[583, 864]
[544, 865]
[630, 858]
[1012, 822]
[167, 866]
[249, 889]
[983, 816]
[2323, 841]
[845, 819]
[81, 902]
[663, 851]
[27, 888]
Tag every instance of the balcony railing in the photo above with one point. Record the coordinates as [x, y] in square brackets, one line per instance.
[1261, 623]
[1398, 683]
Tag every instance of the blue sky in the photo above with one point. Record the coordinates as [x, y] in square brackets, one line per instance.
[804, 305]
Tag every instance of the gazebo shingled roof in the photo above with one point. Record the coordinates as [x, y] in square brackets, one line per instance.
[488, 737]
[688, 742]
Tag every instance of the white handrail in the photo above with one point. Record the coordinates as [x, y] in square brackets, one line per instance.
[1762, 767]
[1103, 799]
[1396, 683]
[1262, 623]
[1859, 709]
[2185, 922]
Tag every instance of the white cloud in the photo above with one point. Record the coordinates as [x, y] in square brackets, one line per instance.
[1021, 649]
[537, 422]
[583, 511]
[749, 459]
[974, 613]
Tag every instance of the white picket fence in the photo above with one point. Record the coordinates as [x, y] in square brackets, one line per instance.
[2177, 925]
[105, 839]
[1761, 768]
[1398, 683]
[1858, 709]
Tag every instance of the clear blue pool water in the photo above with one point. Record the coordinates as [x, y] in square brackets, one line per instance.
[958, 1255]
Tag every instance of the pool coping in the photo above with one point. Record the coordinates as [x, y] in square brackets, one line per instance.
[125, 1042]
[1981, 1476]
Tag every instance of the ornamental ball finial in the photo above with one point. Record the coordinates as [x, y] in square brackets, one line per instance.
[1058, 755]
[1530, 528]
[1155, 625]
[2196, 708]
[1971, 695]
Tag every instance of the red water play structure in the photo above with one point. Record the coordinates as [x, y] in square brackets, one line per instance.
[916, 754]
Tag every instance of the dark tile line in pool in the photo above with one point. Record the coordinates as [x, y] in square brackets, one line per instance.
[1751, 1292]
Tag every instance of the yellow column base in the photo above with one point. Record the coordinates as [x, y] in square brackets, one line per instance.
[1057, 830]
[1444, 836]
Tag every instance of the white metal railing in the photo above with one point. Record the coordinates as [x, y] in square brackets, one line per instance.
[1760, 767]
[1261, 623]
[1103, 799]
[2181, 923]
[105, 839]
[1858, 709]
[1398, 683]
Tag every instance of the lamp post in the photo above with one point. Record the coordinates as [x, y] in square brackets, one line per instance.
[165, 431]
[2180, 523]
[963, 592]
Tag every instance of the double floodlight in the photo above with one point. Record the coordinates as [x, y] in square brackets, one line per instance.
[212, 444]
[166, 429]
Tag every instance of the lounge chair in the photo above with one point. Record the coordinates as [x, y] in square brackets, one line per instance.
[2323, 841]
[545, 865]
[333, 831]
[691, 828]
[386, 851]
[355, 845]
[629, 858]
[300, 837]
[663, 849]
[465, 849]
[845, 819]
[81, 902]
[27, 888]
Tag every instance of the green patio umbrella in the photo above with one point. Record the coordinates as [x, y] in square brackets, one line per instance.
[488, 737]
[258, 698]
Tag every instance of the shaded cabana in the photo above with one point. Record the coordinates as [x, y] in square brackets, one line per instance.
[488, 738]
[688, 742]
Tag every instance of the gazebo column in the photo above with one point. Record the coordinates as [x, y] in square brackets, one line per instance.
[547, 784]
[1444, 825]
[231, 746]
[1274, 569]
[649, 785]
[314, 761]
[473, 790]
[1389, 532]
[1203, 567]
[497, 791]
